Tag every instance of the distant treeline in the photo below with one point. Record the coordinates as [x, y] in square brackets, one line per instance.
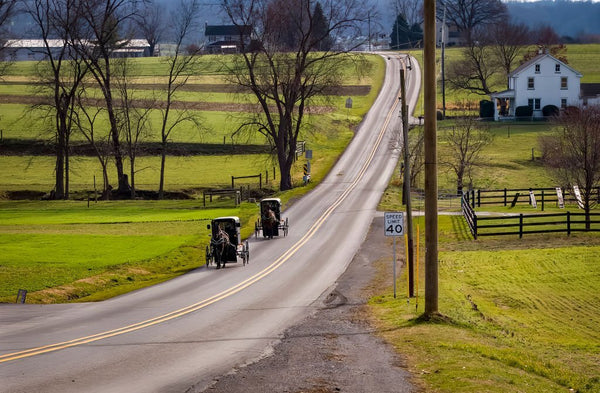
[575, 19]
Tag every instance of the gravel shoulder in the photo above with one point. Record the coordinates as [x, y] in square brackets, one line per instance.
[335, 349]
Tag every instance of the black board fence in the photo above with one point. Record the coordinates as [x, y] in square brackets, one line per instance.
[523, 224]
[521, 196]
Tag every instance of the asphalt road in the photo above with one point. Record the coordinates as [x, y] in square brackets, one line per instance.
[187, 331]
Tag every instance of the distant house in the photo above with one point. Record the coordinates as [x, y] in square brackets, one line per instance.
[35, 50]
[226, 38]
[447, 33]
[541, 81]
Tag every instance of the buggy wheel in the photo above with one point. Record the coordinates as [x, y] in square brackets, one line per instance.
[208, 256]
[285, 227]
[247, 251]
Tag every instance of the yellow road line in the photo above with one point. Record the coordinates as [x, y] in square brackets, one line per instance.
[222, 295]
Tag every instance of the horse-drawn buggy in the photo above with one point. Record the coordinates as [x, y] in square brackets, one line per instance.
[225, 242]
[270, 221]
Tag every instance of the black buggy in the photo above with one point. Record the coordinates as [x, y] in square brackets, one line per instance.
[270, 221]
[225, 242]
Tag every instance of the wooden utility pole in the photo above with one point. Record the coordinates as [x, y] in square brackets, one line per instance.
[431, 186]
[406, 190]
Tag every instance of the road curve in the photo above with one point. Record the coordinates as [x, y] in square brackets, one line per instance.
[180, 335]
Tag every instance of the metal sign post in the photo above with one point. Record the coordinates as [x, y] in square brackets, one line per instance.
[393, 225]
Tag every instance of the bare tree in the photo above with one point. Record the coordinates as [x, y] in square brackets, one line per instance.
[61, 74]
[181, 65]
[8, 8]
[86, 120]
[467, 15]
[151, 24]
[558, 51]
[464, 142]
[476, 69]
[105, 21]
[416, 154]
[507, 40]
[284, 76]
[545, 35]
[411, 9]
[133, 116]
[572, 153]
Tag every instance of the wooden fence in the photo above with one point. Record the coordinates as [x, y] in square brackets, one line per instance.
[521, 196]
[522, 224]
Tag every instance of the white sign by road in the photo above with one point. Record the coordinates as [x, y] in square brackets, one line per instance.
[393, 223]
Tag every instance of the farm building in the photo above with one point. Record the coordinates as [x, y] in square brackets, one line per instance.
[19, 50]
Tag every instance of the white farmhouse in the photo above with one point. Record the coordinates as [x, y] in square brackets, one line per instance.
[543, 80]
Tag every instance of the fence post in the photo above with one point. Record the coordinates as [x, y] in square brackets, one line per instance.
[478, 198]
[521, 226]
[542, 199]
[232, 182]
[473, 199]
[260, 181]
[474, 226]
[569, 223]
[505, 197]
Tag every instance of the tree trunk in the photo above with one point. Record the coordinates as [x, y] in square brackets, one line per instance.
[459, 181]
[285, 183]
[67, 166]
[132, 175]
[587, 209]
[59, 184]
[163, 158]
[114, 130]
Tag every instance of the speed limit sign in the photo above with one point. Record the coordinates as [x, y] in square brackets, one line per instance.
[393, 223]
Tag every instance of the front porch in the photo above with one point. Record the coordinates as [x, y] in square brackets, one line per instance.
[504, 108]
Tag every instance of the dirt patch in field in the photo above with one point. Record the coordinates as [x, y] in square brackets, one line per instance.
[176, 105]
[346, 90]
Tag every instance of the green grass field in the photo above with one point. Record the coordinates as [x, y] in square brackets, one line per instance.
[518, 315]
[66, 251]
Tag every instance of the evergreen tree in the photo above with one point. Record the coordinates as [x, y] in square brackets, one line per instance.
[401, 34]
[320, 36]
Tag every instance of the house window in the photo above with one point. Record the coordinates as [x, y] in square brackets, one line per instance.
[537, 68]
[563, 103]
[563, 83]
[530, 83]
[557, 68]
[535, 103]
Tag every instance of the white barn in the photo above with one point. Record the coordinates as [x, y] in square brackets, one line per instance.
[541, 81]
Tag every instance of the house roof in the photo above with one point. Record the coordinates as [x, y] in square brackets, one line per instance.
[503, 94]
[57, 43]
[590, 89]
[537, 59]
[231, 30]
